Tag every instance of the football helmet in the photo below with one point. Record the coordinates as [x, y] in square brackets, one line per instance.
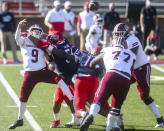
[55, 37]
[120, 30]
[94, 5]
[98, 20]
[36, 31]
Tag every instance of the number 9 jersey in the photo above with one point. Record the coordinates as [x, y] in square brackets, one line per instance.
[119, 60]
[33, 57]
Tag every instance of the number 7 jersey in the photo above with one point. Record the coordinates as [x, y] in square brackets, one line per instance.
[119, 60]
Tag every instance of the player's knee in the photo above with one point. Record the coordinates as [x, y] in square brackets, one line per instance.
[149, 100]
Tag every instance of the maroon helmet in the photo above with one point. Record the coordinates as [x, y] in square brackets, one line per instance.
[120, 30]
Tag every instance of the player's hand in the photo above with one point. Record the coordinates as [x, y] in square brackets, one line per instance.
[97, 50]
[22, 23]
[51, 66]
[43, 44]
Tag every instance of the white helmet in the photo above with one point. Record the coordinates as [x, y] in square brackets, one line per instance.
[98, 19]
[35, 27]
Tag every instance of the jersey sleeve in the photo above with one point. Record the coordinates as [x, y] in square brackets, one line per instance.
[79, 19]
[155, 12]
[19, 40]
[48, 16]
[142, 11]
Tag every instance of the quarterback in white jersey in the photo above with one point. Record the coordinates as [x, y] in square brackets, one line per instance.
[33, 57]
[95, 33]
[35, 69]
[118, 62]
[142, 70]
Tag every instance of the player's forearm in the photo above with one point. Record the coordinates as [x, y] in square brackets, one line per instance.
[96, 60]
[49, 25]
[18, 35]
[141, 21]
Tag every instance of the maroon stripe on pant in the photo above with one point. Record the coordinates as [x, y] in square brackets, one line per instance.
[115, 85]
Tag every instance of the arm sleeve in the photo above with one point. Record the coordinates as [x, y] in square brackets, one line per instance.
[13, 23]
[142, 11]
[155, 12]
[79, 19]
[48, 16]
[18, 38]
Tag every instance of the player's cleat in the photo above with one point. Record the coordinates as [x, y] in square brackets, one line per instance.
[160, 122]
[74, 122]
[17, 62]
[86, 114]
[116, 129]
[5, 61]
[55, 124]
[86, 123]
[121, 122]
[16, 124]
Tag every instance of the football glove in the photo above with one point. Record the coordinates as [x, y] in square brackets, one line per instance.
[43, 44]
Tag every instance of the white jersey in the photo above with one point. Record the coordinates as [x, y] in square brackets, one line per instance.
[71, 17]
[56, 16]
[93, 37]
[33, 57]
[86, 19]
[119, 60]
[141, 58]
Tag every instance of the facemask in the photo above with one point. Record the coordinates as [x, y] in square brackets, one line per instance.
[36, 36]
[148, 3]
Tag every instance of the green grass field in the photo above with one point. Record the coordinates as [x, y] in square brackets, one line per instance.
[136, 114]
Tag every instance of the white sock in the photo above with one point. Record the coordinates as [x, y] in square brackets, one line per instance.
[82, 113]
[22, 109]
[56, 116]
[73, 116]
[94, 109]
[115, 125]
[154, 109]
[111, 120]
[65, 89]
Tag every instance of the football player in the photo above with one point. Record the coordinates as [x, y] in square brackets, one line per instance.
[35, 69]
[142, 71]
[86, 82]
[66, 70]
[93, 38]
[116, 82]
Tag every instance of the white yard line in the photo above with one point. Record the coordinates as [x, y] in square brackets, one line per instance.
[13, 95]
[157, 78]
[13, 106]
[157, 68]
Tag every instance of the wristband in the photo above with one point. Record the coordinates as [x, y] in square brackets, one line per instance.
[50, 48]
